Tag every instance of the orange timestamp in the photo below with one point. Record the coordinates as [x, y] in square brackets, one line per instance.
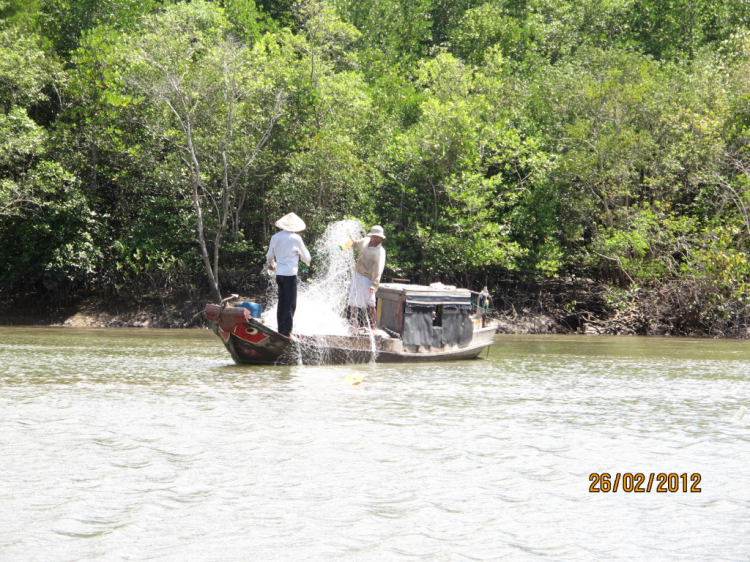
[638, 482]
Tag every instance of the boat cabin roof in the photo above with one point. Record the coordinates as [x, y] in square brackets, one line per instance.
[423, 293]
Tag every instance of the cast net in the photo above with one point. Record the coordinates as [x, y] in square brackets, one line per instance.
[320, 323]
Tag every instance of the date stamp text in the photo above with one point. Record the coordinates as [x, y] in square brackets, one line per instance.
[640, 482]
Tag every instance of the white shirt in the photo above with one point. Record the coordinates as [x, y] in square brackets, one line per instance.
[285, 250]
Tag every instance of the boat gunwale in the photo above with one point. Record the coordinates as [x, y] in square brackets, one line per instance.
[456, 351]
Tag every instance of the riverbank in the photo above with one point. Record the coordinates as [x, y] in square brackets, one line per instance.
[558, 306]
[99, 312]
[585, 306]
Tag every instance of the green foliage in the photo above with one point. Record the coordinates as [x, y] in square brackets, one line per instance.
[678, 29]
[24, 71]
[24, 74]
[392, 31]
[246, 19]
[655, 244]
[609, 139]
[486, 26]
[451, 178]
[44, 219]
[329, 175]
[53, 242]
[629, 132]
[64, 22]
[19, 13]
[212, 103]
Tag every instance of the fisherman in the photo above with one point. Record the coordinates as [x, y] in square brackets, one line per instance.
[284, 252]
[367, 272]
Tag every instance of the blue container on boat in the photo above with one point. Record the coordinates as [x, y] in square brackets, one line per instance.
[253, 307]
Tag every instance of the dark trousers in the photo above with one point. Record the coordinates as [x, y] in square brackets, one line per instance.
[287, 303]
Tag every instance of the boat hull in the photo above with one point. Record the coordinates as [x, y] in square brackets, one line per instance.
[251, 342]
[247, 340]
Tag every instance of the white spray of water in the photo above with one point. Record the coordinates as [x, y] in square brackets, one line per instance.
[322, 301]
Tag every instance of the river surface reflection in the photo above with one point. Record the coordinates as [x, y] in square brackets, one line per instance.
[151, 445]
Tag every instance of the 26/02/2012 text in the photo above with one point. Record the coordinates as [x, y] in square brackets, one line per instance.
[628, 482]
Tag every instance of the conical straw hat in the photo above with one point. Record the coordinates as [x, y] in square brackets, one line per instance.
[291, 223]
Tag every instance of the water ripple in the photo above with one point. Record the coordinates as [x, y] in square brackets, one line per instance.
[150, 445]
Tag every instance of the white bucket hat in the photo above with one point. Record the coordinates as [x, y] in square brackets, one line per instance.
[291, 223]
[377, 230]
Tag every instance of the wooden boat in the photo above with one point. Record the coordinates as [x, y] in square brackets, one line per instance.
[426, 323]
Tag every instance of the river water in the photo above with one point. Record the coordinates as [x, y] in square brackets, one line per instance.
[151, 445]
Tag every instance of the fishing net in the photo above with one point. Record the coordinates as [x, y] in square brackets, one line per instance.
[320, 321]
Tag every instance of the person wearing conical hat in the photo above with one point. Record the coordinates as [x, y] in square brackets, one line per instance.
[367, 272]
[284, 252]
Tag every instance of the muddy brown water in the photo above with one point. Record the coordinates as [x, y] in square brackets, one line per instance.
[125, 444]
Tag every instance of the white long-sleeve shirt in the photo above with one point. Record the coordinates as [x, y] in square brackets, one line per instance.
[371, 260]
[285, 251]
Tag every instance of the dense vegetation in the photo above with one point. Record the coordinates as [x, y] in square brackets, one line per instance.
[148, 145]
